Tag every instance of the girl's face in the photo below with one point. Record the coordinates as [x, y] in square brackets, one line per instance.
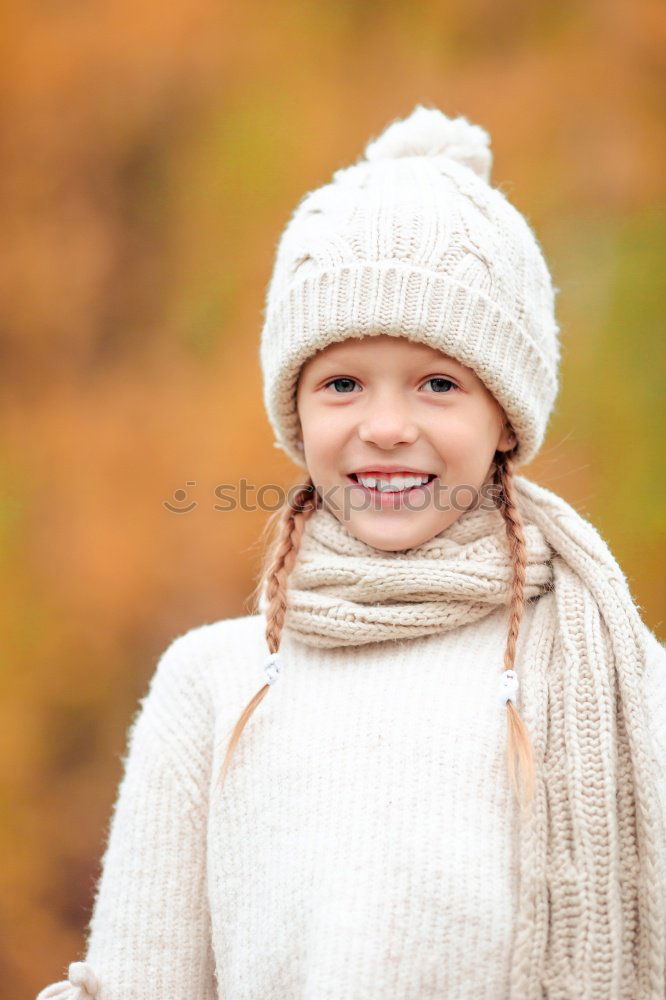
[386, 405]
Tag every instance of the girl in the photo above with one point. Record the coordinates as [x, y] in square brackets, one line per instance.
[457, 784]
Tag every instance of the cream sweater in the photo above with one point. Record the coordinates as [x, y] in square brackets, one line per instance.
[363, 846]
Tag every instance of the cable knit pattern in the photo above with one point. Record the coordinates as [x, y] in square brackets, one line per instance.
[587, 921]
[365, 845]
[413, 241]
[343, 592]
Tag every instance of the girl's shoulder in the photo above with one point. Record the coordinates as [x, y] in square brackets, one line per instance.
[223, 658]
[212, 639]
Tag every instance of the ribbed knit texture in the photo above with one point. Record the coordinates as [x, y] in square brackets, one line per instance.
[587, 920]
[365, 844]
[413, 241]
[343, 592]
[588, 924]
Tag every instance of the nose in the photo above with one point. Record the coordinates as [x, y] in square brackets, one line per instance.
[387, 422]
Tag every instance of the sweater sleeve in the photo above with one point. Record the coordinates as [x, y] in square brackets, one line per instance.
[149, 933]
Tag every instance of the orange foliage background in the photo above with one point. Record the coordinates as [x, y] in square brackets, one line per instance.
[151, 155]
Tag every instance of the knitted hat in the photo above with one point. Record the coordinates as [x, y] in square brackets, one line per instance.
[413, 241]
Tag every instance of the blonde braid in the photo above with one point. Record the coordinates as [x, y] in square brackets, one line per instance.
[278, 564]
[280, 561]
[519, 744]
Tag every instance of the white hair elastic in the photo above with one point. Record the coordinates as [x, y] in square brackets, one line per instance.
[272, 667]
[509, 686]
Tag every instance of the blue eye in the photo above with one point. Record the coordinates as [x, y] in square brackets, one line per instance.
[333, 382]
[352, 381]
[440, 378]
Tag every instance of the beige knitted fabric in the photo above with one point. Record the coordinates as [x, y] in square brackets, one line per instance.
[343, 592]
[365, 845]
[592, 912]
[413, 241]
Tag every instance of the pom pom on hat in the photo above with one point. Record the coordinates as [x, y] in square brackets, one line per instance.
[428, 132]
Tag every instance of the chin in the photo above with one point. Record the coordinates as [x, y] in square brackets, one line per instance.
[392, 538]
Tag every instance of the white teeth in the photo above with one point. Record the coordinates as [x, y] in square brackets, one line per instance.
[392, 484]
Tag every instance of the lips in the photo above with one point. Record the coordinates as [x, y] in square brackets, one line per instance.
[390, 470]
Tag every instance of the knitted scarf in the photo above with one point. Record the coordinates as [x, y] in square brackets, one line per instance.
[592, 911]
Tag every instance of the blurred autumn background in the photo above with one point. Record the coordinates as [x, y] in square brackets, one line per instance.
[151, 155]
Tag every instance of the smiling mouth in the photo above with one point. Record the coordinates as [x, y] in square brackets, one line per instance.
[388, 489]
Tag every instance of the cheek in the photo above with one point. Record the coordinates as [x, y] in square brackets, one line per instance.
[465, 438]
[323, 439]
